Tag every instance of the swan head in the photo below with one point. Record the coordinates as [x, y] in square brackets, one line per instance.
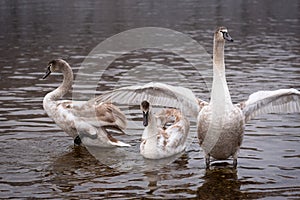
[145, 107]
[53, 66]
[221, 34]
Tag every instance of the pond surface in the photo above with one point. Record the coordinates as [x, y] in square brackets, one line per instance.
[38, 160]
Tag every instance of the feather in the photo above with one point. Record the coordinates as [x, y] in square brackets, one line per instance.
[158, 94]
[278, 101]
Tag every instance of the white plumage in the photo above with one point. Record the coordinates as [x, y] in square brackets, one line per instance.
[156, 94]
[165, 134]
[84, 121]
[221, 124]
[278, 101]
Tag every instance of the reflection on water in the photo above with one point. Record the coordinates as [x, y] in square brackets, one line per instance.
[38, 159]
[220, 183]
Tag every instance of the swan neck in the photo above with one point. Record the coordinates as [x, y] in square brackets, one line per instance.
[151, 129]
[220, 95]
[65, 86]
[218, 57]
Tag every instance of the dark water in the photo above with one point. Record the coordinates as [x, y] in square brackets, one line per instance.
[38, 160]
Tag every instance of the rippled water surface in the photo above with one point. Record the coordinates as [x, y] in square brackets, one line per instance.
[38, 160]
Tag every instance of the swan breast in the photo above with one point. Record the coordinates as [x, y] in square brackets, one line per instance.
[222, 136]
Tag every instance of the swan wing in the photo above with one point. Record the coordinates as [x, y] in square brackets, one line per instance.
[100, 115]
[278, 101]
[93, 120]
[158, 94]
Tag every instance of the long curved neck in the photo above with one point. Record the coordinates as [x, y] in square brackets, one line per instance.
[65, 86]
[220, 95]
[150, 131]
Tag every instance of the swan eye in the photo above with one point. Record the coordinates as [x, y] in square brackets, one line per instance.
[51, 67]
[223, 32]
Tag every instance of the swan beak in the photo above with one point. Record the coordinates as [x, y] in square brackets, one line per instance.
[48, 72]
[227, 37]
[145, 118]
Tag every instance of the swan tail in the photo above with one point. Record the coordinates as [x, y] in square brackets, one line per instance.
[113, 141]
[120, 144]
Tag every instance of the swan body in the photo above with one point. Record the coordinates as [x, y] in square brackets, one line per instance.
[221, 123]
[220, 136]
[159, 141]
[84, 121]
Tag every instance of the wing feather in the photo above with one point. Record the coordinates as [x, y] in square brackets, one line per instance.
[158, 94]
[278, 101]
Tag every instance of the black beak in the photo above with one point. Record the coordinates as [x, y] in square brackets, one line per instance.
[48, 72]
[227, 37]
[145, 118]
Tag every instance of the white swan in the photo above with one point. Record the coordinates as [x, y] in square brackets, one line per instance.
[220, 124]
[158, 140]
[85, 121]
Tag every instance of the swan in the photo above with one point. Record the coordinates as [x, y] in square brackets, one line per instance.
[158, 140]
[84, 121]
[220, 123]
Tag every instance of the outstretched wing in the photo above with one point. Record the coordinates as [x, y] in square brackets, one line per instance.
[278, 101]
[158, 94]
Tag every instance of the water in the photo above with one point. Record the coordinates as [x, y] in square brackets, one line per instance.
[38, 160]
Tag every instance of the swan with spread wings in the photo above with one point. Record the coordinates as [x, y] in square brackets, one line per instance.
[221, 123]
